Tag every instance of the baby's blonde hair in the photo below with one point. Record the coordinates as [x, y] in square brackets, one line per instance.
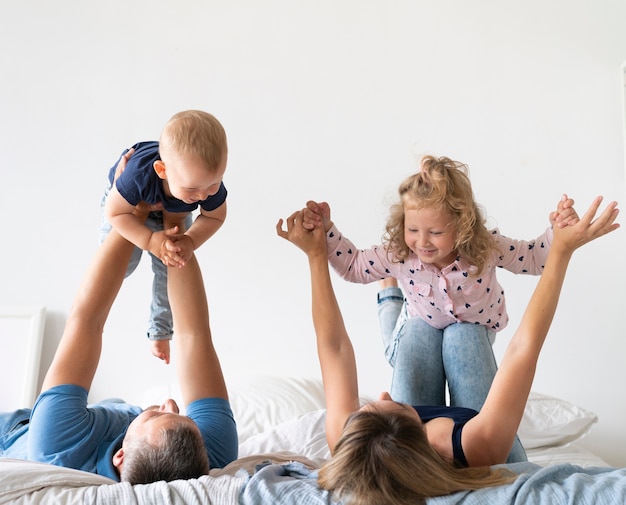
[195, 133]
[442, 182]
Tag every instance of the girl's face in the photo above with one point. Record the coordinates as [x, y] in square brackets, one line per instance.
[430, 233]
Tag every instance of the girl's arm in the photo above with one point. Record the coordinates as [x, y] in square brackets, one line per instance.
[488, 438]
[361, 266]
[529, 257]
[335, 352]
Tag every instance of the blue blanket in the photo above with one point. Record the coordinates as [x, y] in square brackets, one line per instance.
[295, 484]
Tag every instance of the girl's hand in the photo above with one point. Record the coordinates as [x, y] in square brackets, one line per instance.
[565, 214]
[312, 242]
[316, 214]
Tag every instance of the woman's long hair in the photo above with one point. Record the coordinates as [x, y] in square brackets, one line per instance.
[385, 458]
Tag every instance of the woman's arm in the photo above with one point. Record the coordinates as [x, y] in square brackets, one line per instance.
[488, 438]
[335, 352]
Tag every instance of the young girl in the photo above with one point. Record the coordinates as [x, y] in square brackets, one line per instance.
[392, 453]
[440, 326]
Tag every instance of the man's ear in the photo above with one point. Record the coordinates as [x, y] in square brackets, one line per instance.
[118, 460]
[159, 168]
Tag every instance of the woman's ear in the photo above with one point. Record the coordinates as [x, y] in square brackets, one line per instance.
[159, 168]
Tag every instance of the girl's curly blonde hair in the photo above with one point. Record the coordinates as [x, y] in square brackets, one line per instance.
[442, 182]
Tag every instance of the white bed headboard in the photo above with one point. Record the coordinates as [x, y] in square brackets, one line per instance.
[21, 335]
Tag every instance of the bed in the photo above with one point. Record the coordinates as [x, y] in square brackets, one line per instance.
[281, 430]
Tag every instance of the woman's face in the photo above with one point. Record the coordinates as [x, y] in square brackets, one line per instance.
[386, 404]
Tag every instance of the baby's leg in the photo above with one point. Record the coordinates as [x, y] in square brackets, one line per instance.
[160, 325]
[161, 349]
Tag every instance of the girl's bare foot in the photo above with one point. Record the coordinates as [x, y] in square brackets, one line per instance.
[389, 282]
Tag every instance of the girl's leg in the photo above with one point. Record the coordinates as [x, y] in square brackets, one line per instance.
[390, 303]
[418, 373]
[469, 363]
[470, 367]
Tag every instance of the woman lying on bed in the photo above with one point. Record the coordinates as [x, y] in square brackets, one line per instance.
[392, 453]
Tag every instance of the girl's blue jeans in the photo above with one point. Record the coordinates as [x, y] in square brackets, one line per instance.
[426, 359]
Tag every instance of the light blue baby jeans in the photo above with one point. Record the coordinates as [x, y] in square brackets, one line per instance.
[424, 359]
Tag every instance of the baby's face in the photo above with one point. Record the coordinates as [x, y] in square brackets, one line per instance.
[189, 180]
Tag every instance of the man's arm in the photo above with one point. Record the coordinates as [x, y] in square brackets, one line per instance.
[198, 367]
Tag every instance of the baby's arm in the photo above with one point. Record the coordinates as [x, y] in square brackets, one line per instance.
[121, 215]
[180, 247]
[205, 225]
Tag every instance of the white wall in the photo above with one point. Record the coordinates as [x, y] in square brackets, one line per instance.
[325, 100]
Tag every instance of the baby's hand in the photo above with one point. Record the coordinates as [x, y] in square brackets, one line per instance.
[163, 247]
[178, 250]
[565, 214]
[315, 214]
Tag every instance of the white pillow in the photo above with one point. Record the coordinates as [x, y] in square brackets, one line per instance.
[260, 403]
[547, 422]
[304, 435]
[552, 422]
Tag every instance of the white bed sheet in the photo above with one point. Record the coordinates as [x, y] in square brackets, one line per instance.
[279, 420]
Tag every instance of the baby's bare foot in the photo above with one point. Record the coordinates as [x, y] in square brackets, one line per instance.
[161, 349]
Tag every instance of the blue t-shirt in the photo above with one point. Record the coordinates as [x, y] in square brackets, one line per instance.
[140, 183]
[460, 416]
[65, 431]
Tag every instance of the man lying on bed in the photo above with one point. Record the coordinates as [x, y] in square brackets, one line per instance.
[119, 440]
